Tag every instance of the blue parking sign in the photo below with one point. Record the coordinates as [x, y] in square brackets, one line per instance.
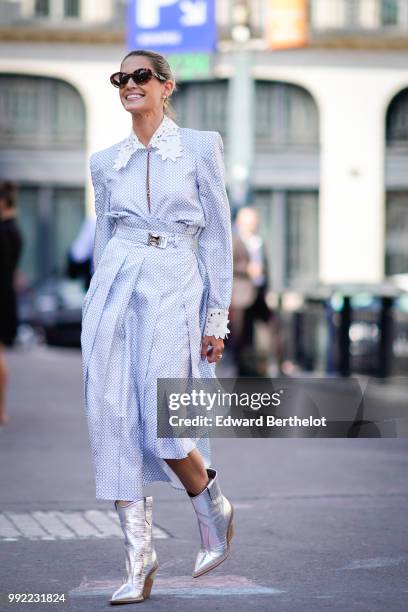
[169, 26]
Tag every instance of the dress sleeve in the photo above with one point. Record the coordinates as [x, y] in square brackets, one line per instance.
[104, 225]
[215, 240]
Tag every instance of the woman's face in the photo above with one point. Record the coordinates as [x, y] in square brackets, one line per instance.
[143, 98]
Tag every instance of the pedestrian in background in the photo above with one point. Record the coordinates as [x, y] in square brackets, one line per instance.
[243, 296]
[11, 244]
[157, 302]
[249, 290]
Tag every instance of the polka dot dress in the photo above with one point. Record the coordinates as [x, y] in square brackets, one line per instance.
[146, 308]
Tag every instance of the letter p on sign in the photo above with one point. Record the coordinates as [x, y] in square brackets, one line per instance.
[148, 12]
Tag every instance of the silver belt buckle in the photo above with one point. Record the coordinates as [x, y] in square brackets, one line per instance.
[157, 240]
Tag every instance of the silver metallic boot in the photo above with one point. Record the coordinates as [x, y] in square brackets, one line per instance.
[141, 558]
[215, 521]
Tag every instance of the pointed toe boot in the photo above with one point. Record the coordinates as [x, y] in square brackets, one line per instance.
[215, 521]
[141, 559]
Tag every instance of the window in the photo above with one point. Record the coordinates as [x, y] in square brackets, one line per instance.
[302, 239]
[67, 214]
[396, 253]
[71, 8]
[49, 218]
[202, 105]
[396, 213]
[286, 116]
[397, 120]
[352, 10]
[38, 112]
[42, 8]
[289, 227]
[389, 12]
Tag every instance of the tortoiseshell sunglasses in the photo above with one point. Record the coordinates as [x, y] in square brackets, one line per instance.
[141, 76]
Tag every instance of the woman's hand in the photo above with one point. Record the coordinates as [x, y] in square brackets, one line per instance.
[214, 353]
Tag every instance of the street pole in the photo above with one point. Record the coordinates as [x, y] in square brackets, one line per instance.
[240, 128]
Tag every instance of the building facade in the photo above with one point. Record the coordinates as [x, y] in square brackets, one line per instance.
[320, 133]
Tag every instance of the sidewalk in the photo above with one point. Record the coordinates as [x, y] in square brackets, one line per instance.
[320, 523]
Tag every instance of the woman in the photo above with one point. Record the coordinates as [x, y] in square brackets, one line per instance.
[11, 244]
[157, 306]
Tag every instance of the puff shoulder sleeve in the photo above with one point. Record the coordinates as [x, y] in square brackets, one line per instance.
[215, 240]
[104, 225]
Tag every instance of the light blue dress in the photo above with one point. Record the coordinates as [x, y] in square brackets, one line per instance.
[147, 307]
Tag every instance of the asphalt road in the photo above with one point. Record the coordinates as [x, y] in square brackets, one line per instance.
[321, 524]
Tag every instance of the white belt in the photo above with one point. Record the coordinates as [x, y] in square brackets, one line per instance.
[152, 238]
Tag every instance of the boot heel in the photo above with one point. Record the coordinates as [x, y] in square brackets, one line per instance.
[230, 531]
[149, 583]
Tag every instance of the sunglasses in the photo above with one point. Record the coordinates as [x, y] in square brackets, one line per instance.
[139, 76]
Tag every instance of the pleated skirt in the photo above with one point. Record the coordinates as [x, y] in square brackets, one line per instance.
[142, 319]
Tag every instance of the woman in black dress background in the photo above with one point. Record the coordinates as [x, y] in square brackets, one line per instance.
[11, 244]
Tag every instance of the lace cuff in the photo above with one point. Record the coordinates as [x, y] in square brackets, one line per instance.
[216, 323]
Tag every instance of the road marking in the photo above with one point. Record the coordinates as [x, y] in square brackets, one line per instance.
[375, 562]
[77, 522]
[243, 506]
[183, 586]
[8, 530]
[27, 525]
[64, 525]
[53, 524]
[104, 523]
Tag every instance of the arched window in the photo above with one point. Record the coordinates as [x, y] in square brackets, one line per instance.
[202, 105]
[396, 229]
[286, 117]
[42, 150]
[37, 112]
[397, 121]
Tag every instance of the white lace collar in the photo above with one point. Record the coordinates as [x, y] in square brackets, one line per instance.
[166, 140]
